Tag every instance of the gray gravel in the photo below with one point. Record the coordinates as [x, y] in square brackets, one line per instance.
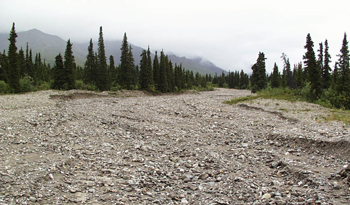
[132, 148]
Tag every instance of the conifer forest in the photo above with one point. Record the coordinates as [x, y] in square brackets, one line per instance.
[318, 77]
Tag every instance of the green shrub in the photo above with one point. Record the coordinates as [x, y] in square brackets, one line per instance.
[79, 84]
[43, 86]
[25, 84]
[4, 88]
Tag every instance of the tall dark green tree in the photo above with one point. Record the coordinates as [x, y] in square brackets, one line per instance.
[289, 74]
[112, 70]
[3, 67]
[343, 82]
[149, 65]
[300, 77]
[258, 78]
[326, 72]
[163, 67]
[29, 62]
[69, 66]
[275, 77]
[126, 77]
[13, 68]
[312, 69]
[146, 75]
[156, 76]
[170, 75]
[90, 66]
[102, 72]
[58, 74]
[135, 72]
[21, 63]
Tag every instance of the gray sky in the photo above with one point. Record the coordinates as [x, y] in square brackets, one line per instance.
[228, 33]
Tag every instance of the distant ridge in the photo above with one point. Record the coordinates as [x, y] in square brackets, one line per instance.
[49, 46]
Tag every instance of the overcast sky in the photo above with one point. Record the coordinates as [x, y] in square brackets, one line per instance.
[228, 33]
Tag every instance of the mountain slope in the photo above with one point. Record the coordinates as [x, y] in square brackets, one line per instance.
[49, 46]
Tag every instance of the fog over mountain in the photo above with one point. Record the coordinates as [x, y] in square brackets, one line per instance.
[50, 46]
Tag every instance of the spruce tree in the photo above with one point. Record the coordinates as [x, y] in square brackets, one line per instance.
[326, 72]
[258, 78]
[300, 77]
[312, 69]
[102, 73]
[163, 67]
[144, 78]
[275, 77]
[156, 71]
[69, 66]
[289, 74]
[133, 70]
[146, 75]
[58, 74]
[343, 82]
[149, 67]
[90, 73]
[21, 63]
[13, 68]
[112, 70]
[126, 77]
[170, 75]
[29, 62]
[3, 67]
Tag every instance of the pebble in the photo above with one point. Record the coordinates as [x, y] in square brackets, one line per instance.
[136, 150]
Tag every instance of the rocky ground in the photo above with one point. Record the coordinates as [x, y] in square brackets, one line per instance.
[133, 148]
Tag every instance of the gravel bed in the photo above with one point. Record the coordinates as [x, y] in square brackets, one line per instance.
[128, 147]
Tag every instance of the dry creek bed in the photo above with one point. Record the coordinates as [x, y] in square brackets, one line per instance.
[79, 147]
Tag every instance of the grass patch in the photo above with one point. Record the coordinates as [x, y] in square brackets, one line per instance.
[338, 115]
[241, 99]
[281, 94]
[271, 93]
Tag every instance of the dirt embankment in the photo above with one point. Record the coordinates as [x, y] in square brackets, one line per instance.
[133, 148]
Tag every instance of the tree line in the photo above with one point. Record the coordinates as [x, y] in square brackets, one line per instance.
[20, 73]
[314, 78]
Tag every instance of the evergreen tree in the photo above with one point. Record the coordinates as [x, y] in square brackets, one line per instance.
[275, 77]
[343, 82]
[258, 78]
[156, 76]
[90, 66]
[144, 85]
[13, 69]
[112, 70]
[320, 58]
[69, 66]
[170, 75]
[38, 69]
[146, 75]
[289, 74]
[326, 72]
[102, 72]
[58, 74]
[149, 65]
[21, 63]
[163, 67]
[126, 66]
[29, 63]
[3, 67]
[300, 77]
[134, 70]
[312, 69]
